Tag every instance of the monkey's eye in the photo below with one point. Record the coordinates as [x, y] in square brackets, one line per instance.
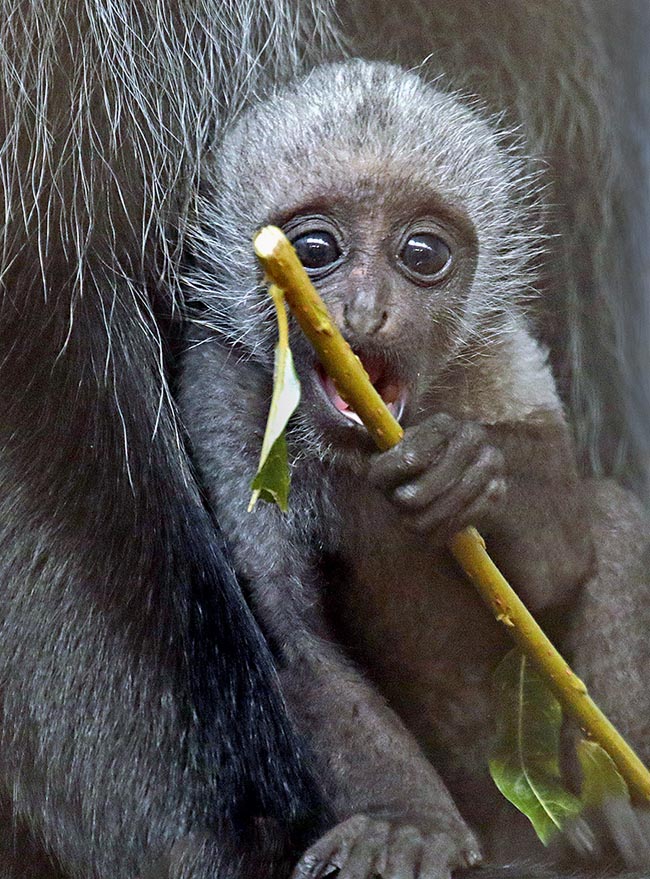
[317, 250]
[425, 256]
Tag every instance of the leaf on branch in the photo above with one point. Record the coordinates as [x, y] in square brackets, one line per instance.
[601, 780]
[524, 760]
[271, 482]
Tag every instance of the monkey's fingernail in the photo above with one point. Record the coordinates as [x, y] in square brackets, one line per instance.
[472, 858]
[327, 871]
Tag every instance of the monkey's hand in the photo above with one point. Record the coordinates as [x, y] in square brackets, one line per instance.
[443, 475]
[364, 847]
[515, 481]
[614, 834]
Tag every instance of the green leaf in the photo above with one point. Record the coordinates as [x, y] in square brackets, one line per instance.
[271, 482]
[524, 760]
[601, 780]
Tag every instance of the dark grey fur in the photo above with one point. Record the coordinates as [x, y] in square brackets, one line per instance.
[360, 559]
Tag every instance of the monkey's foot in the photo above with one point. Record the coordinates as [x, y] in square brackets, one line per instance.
[370, 848]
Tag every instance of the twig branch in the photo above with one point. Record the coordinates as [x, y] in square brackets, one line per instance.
[283, 268]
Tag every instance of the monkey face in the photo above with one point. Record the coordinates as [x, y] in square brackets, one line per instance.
[405, 210]
[395, 267]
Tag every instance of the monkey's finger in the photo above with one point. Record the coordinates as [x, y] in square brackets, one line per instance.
[441, 855]
[466, 503]
[419, 448]
[404, 853]
[314, 867]
[368, 854]
[460, 476]
[443, 524]
[331, 850]
[433, 866]
[317, 863]
[401, 463]
[494, 493]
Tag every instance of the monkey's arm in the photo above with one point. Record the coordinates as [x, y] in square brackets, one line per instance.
[394, 808]
[609, 633]
[540, 531]
[497, 453]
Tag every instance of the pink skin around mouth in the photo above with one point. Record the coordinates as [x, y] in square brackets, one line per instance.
[391, 390]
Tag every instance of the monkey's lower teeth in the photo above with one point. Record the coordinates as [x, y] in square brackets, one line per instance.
[391, 396]
[336, 399]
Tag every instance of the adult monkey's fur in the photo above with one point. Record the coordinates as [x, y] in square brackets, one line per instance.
[138, 698]
[119, 715]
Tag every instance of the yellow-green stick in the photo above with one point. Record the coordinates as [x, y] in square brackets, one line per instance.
[282, 267]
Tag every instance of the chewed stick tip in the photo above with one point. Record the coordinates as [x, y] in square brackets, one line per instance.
[266, 241]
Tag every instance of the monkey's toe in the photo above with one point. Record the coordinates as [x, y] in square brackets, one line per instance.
[369, 848]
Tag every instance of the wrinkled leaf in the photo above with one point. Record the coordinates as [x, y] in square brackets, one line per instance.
[524, 759]
[601, 780]
[271, 482]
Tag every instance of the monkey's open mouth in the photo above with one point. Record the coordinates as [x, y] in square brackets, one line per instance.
[388, 386]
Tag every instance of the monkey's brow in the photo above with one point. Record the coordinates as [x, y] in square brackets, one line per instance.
[399, 197]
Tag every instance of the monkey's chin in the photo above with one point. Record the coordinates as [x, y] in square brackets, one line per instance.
[391, 390]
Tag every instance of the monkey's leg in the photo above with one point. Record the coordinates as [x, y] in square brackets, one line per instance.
[610, 643]
[394, 809]
[396, 812]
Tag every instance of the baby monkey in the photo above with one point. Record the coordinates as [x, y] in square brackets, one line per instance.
[415, 219]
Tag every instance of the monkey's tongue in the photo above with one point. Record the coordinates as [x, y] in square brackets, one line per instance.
[388, 389]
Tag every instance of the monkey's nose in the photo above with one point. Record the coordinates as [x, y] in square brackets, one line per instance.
[363, 320]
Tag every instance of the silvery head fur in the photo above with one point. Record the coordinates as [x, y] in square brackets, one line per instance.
[350, 127]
